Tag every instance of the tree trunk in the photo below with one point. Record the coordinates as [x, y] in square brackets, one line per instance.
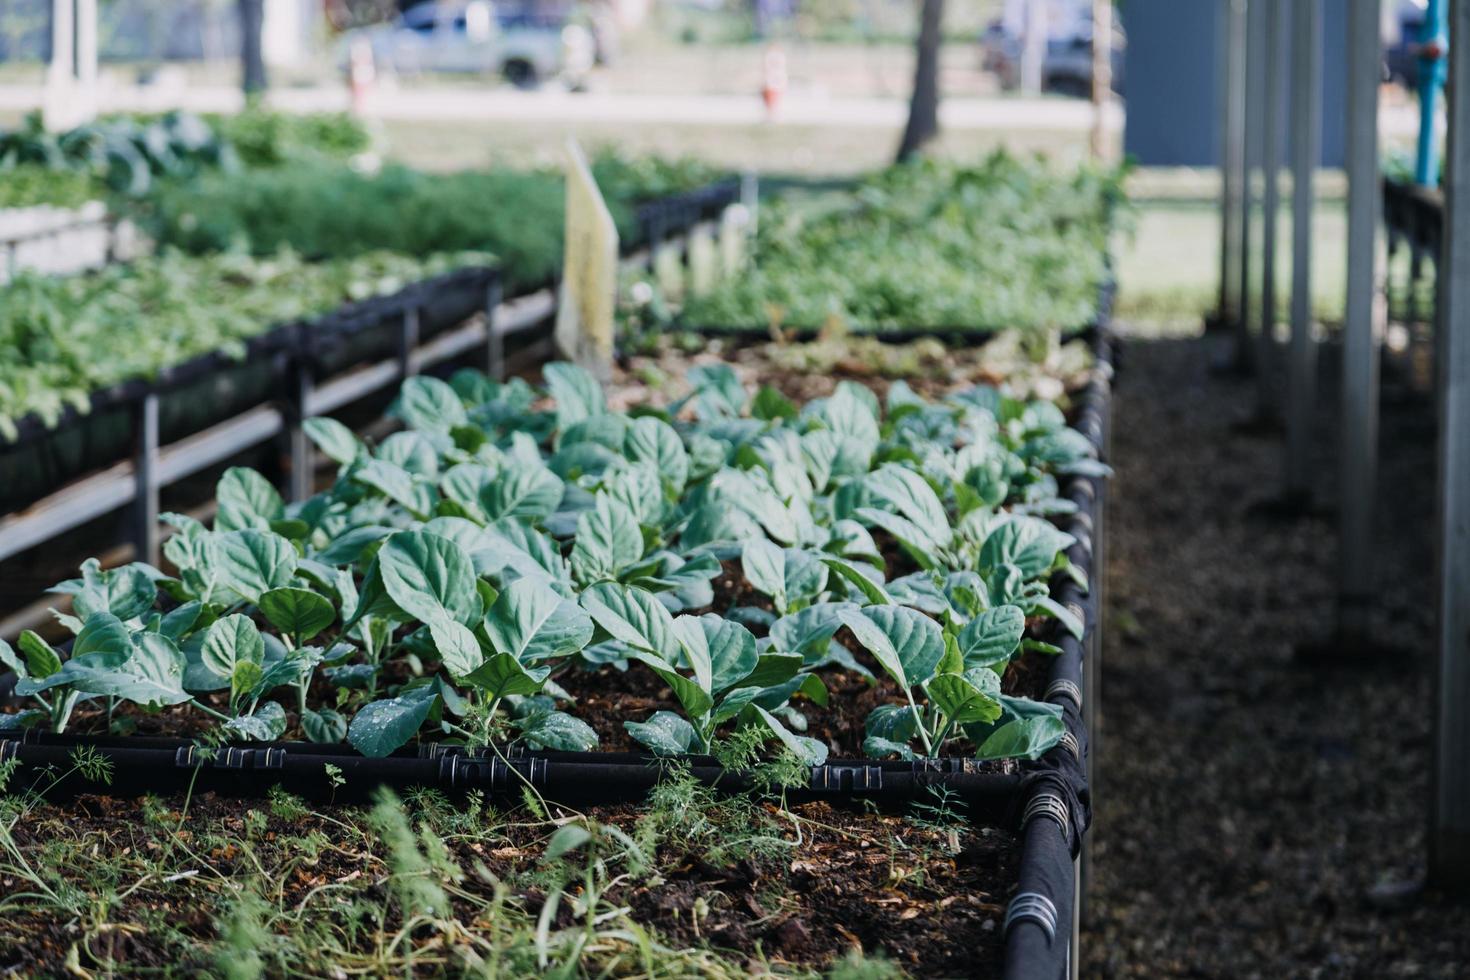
[252, 13]
[924, 107]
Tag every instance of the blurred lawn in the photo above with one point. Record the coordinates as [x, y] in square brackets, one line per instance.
[1169, 263]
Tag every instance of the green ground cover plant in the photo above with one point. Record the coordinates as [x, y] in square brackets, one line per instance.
[459, 579]
[1004, 244]
[63, 338]
[133, 156]
[326, 209]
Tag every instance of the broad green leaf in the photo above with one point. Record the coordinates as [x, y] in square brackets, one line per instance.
[531, 622]
[665, 733]
[961, 701]
[1069, 620]
[770, 404]
[398, 485]
[380, 727]
[806, 576]
[152, 674]
[992, 637]
[334, 439]
[125, 592]
[915, 540]
[348, 548]
[654, 441]
[530, 492]
[1029, 543]
[427, 575]
[502, 674]
[764, 565]
[634, 616]
[324, 726]
[429, 404]
[559, 732]
[41, 661]
[229, 641]
[465, 483]
[905, 642]
[298, 612]
[267, 724]
[608, 540]
[910, 495]
[694, 644]
[246, 499]
[414, 452]
[253, 562]
[732, 650]
[808, 750]
[1026, 738]
[577, 393]
[692, 696]
[457, 646]
[871, 592]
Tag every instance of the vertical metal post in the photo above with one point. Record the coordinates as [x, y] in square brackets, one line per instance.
[1432, 71]
[1102, 74]
[1232, 160]
[145, 479]
[1358, 477]
[1257, 16]
[750, 196]
[1306, 152]
[299, 483]
[494, 339]
[1278, 39]
[408, 341]
[1449, 837]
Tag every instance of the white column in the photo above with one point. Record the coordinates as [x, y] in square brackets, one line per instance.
[1306, 153]
[1278, 40]
[1358, 476]
[1449, 839]
[1232, 157]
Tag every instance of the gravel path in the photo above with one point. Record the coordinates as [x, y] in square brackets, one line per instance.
[1253, 812]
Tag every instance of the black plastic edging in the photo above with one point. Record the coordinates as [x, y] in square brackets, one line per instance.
[1056, 808]
[252, 771]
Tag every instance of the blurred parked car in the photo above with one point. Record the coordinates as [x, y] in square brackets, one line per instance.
[526, 44]
[1066, 67]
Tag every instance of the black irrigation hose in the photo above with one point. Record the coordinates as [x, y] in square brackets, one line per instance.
[1056, 803]
[253, 771]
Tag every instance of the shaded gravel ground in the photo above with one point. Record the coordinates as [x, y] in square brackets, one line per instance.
[1251, 808]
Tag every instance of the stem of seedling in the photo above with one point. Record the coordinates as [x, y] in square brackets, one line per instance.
[919, 722]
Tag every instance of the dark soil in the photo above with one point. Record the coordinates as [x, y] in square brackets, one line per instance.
[928, 897]
[1252, 812]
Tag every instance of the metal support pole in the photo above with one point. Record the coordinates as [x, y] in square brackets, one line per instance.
[1449, 832]
[1432, 72]
[1358, 478]
[145, 479]
[1232, 161]
[303, 463]
[1306, 152]
[1278, 40]
[1257, 18]
[1102, 74]
[408, 341]
[494, 339]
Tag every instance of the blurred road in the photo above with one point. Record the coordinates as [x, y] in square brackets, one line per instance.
[502, 105]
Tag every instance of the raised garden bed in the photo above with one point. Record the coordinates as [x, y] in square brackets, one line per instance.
[662, 683]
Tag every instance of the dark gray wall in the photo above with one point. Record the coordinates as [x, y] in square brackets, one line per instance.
[1173, 76]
